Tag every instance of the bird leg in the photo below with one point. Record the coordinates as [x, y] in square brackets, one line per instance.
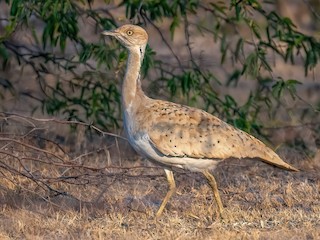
[212, 182]
[172, 189]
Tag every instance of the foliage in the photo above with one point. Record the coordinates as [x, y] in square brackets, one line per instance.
[93, 95]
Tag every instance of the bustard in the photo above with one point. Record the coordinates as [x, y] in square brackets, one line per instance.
[174, 135]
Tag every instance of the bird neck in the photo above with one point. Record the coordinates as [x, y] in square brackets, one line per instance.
[131, 88]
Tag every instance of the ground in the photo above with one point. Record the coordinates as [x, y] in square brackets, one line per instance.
[105, 193]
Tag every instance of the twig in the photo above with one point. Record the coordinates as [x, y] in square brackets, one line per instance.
[314, 11]
[63, 122]
[163, 40]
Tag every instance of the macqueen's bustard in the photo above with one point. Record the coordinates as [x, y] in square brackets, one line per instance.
[179, 136]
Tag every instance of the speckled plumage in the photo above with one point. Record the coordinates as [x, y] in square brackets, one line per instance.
[181, 131]
[177, 135]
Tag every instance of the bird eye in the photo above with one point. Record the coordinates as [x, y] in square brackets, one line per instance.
[129, 32]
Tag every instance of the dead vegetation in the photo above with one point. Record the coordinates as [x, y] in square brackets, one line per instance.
[60, 185]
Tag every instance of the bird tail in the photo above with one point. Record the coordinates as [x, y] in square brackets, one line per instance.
[270, 157]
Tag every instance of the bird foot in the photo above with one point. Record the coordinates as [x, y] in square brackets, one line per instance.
[220, 216]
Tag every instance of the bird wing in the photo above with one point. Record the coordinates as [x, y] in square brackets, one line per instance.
[181, 131]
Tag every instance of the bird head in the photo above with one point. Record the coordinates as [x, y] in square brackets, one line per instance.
[129, 35]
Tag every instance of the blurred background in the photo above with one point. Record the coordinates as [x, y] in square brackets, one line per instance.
[64, 159]
[255, 64]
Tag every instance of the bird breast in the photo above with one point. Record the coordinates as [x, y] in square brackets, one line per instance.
[190, 138]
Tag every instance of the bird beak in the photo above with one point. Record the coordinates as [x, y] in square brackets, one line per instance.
[109, 33]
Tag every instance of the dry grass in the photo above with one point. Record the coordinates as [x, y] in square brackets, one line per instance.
[269, 206]
[113, 199]
[117, 199]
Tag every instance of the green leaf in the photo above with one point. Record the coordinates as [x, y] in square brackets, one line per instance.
[174, 24]
[15, 5]
[251, 65]
[291, 85]
[63, 40]
[224, 47]
[234, 78]
[239, 49]
[256, 30]
[4, 56]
